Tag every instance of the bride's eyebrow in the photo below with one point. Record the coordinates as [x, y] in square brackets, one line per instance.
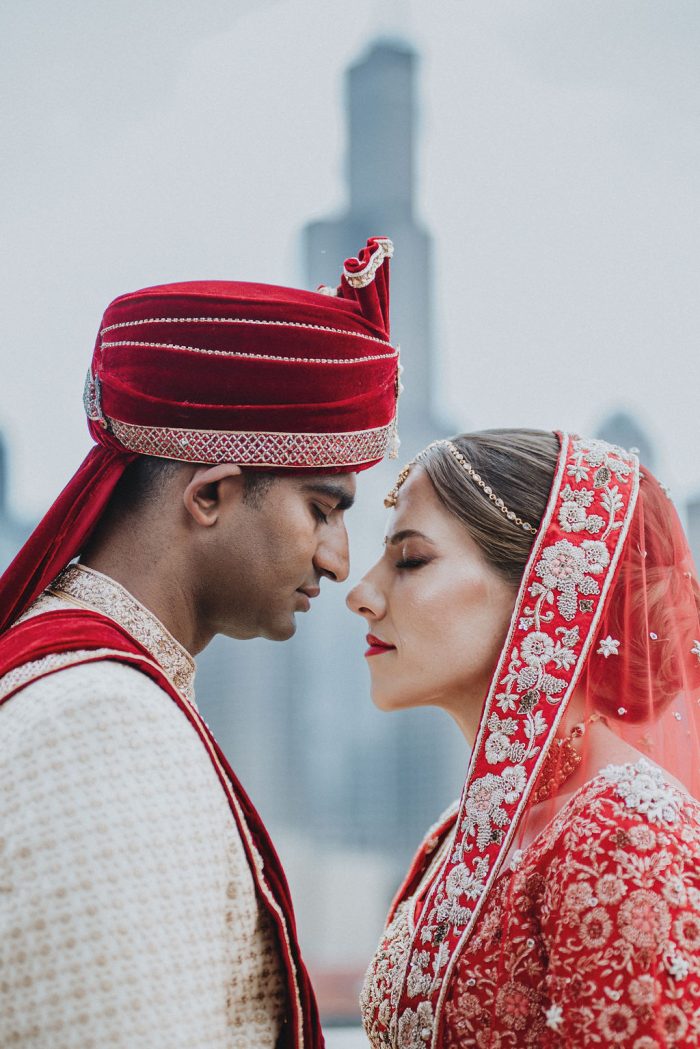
[406, 533]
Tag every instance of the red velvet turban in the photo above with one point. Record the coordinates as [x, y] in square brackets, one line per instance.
[219, 371]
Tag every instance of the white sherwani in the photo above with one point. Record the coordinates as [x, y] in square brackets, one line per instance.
[128, 915]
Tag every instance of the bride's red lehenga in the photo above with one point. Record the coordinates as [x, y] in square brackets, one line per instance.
[547, 910]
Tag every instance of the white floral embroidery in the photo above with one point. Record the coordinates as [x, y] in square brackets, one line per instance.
[678, 967]
[566, 570]
[572, 513]
[532, 679]
[464, 882]
[607, 461]
[695, 650]
[537, 648]
[484, 815]
[497, 748]
[416, 1028]
[418, 981]
[567, 576]
[644, 789]
[554, 1017]
[608, 647]
[516, 859]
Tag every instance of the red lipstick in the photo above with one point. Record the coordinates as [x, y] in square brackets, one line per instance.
[377, 646]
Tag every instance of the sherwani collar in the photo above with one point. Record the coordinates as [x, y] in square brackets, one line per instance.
[91, 589]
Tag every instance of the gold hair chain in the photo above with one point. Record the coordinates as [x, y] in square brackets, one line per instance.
[471, 472]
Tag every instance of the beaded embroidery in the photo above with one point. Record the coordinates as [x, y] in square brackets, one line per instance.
[644, 788]
[254, 356]
[251, 448]
[588, 872]
[362, 278]
[246, 320]
[102, 594]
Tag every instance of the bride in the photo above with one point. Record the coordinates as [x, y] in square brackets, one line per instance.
[539, 588]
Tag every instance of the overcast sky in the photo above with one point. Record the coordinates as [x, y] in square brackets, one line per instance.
[157, 140]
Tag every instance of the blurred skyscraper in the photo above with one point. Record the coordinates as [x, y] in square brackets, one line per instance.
[348, 790]
[384, 799]
[693, 518]
[381, 95]
[623, 429]
[13, 532]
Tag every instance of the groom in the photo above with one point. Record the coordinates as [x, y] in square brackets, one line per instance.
[142, 904]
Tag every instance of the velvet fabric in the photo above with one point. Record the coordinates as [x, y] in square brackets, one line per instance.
[62, 531]
[257, 360]
[88, 634]
[237, 356]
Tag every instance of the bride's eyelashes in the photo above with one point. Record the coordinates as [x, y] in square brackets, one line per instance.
[412, 562]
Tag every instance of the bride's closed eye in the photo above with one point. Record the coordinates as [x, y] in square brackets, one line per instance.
[407, 562]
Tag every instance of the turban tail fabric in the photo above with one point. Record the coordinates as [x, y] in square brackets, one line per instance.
[268, 377]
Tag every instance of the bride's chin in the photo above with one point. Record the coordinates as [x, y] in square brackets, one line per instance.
[389, 702]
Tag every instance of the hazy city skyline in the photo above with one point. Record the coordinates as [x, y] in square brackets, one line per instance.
[558, 149]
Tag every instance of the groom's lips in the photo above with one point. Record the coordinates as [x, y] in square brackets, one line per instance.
[308, 593]
[377, 646]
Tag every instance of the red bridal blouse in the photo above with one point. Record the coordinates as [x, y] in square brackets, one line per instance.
[590, 937]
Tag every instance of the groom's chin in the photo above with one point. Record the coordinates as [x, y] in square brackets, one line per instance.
[281, 630]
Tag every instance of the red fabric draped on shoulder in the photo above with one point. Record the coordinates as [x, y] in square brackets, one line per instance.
[62, 531]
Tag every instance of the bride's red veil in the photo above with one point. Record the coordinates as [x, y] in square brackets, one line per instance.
[606, 627]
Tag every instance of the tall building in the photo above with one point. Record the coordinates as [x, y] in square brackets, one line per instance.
[381, 103]
[348, 790]
[623, 429]
[382, 799]
[13, 531]
[693, 517]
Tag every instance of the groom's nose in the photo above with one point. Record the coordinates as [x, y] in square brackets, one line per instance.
[333, 555]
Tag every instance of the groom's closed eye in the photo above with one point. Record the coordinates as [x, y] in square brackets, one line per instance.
[334, 493]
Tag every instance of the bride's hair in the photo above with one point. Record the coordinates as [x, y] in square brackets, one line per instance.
[519, 466]
[656, 593]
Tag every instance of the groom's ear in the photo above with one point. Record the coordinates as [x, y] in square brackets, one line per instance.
[209, 488]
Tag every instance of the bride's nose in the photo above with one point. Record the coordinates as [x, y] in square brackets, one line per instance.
[366, 600]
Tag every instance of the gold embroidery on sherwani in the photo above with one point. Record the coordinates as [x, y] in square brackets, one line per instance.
[99, 593]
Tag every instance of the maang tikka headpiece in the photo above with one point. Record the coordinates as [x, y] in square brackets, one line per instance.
[470, 471]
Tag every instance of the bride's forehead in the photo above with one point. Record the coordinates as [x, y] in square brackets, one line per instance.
[416, 493]
[417, 508]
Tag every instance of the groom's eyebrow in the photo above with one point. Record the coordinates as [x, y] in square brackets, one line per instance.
[406, 533]
[340, 495]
